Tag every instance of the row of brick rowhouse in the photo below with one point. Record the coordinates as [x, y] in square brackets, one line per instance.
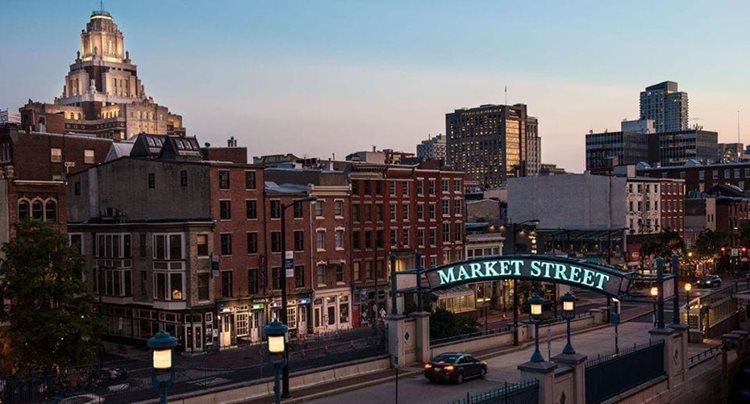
[191, 243]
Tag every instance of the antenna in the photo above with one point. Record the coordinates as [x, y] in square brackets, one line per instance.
[101, 5]
[506, 94]
[738, 134]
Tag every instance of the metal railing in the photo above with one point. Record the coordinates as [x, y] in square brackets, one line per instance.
[709, 353]
[526, 391]
[611, 375]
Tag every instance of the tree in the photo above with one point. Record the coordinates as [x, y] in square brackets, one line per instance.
[51, 323]
[664, 244]
[745, 233]
[709, 243]
[445, 324]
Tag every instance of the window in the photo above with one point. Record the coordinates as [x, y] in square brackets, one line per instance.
[276, 278]
[183, 178]
[392, 187]
[459, 231]
[77, 188]
[379, 212]
[420, 211]
[167, 246]
[446, 207]
[368, 239]
[223, 179]
[394, 238]
[114, 282]
[320, 271]
[433, 236]
[251, 209]
[299, 276]
[151, 180]
[368, 212]
[201, 242]
[355, 187]
[320, 240]
[319, 208]
[431, 188]
[378, 187]
[456, 185]
[88, 156]
[433, 208]
[457, 207]
[37, 210]
[112, 246]
[50, 211]
[356, 240]
[367, 187]
[168, 286]
[143, 245]
[702, 175]
[226, 244]
[446, 232]
[380, 270]
[276, 242]
[406, 189]
[241, 323]
[299, 240]
[252, 243]
[275, 209]
[203, 282]
[420, 237]
[405, 237]
[343, 310]
[23, 210]
[445, 185]
[55, 155]
[226, 283]
[355, 271]
[339, 235]
[420, 186]
[225, 210]
[368, 270]
[297, 210]
[249, 179]
[355, 212]
[405, 210]
[392, 212]
[252, 281]
[340, 272]
[76, 240]
[379, 239]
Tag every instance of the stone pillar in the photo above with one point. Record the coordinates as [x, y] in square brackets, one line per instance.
[396, 343]
[545, 373]
[683, 332]
[424, 351]
[578, 363]
[673, 352]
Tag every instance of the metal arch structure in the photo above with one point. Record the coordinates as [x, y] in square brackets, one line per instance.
[602, 279]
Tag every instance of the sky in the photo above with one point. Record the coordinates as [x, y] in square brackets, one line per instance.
[318, 78]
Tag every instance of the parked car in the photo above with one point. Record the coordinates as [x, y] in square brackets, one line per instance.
[709, 281]
[454, 367]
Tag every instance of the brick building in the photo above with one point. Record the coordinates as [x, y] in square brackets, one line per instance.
[33, 170]
[400, 210]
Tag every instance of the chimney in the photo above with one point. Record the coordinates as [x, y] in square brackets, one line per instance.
[231, 142]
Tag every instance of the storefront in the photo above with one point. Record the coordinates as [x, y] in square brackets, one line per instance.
[459, 299]
[331, 311]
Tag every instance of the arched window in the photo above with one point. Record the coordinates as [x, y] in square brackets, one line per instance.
[50, 211]
[23, 210]
[37, 210]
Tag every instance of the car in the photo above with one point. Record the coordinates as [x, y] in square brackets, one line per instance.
[709, 281]
[454, 367]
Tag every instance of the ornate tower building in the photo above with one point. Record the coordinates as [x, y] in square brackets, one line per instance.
[102, 94]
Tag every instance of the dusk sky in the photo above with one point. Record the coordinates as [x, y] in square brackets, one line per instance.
[321, 77]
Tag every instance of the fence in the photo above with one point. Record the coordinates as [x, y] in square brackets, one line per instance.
[119, 380]
[709, 353]
[526, 391]
[613, 374]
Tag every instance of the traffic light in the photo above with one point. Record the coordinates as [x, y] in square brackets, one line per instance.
[723, 249]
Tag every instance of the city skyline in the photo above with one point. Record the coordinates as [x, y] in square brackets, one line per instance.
[335, 77]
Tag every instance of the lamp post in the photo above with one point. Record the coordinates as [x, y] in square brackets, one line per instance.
[162, 372]
[569, 311]
[288, 266]
[535, 303]
[512, 250]
[654, 295]
[276, 334]
[688, 287]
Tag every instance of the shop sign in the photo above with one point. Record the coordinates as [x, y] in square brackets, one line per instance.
[257, 306]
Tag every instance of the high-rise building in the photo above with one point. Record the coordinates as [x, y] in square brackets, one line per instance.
[493, 142]
[667, 106]
[102, 94]
[432, 149]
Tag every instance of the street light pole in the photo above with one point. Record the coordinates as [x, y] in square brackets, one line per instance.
[512, 250]
[283, 317]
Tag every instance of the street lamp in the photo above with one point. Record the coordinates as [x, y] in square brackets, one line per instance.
[569, 311]
[162, 373]
[276, 334]
[654, 295]
[535, 316]
[688, 287]
[288, 266]
[512, 250]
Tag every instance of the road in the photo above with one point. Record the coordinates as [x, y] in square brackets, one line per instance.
[415, 388]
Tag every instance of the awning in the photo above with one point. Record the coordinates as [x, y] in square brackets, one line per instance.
[457, 291]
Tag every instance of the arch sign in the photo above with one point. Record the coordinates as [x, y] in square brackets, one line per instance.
[599, 278]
